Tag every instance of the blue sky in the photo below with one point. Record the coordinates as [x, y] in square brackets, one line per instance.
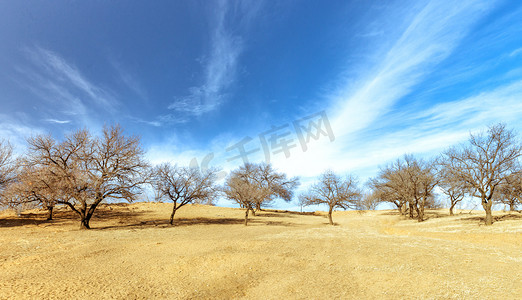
[194, 78]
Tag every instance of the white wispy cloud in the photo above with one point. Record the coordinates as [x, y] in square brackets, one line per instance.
[16, 128]
[57, 68]
[430, 37]
[151, 123]
[220, 68]
[162, 120]
[130, 80]
[64, 87]
[515, 52]
[55, 121]
[198, 103]
[425, 132]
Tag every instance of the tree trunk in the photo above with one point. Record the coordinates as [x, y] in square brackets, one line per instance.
[404, 209]
[50, 213]
[246, 215]
[420, 210]
[512, 206]
[330, 216]
[399, 207]
[411, 210]
[420, 214]
[487, 207]
[253, 211]
[451, 209]
[84, 222]
[171, 222]
[84, 217]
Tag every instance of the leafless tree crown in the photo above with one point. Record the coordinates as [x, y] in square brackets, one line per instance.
[184, 185]
[485, 163]
[408, 183]
[334, 191]
[255, 185]
[87, 169]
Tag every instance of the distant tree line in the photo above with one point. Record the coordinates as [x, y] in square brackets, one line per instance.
[82, 171]
[487, 167]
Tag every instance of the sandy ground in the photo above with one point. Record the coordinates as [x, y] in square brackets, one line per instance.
[131, 253]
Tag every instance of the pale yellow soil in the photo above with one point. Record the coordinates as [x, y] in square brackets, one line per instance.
[131, 253]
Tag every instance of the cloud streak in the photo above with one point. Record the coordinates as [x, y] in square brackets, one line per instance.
[58, 121]
[129, 80]
[62, 85]
[15, 129]
[516, 52]
[429, 38]
[58, 70]
[219, 70]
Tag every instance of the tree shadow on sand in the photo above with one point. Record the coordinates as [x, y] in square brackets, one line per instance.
[288, 213]
[274, 215]
[182, 222]
[22, 221]
[64, 215]
[428, 214]
[120, 215]
[500, 218]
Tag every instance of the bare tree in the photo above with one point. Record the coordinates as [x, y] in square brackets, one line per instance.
[183, 185]
[255, 185]
[369, 201]
[334, 191]
[451, 186]
[407, 181]
[90, 170]
[485, 163]
[116, 169]
[432, 202]
[242, 188]
[279, 185]
[422, 179]
[392, 185]
[35, 186]
[60, 166]
[386, 190]
[510, 192]
[7, 167]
